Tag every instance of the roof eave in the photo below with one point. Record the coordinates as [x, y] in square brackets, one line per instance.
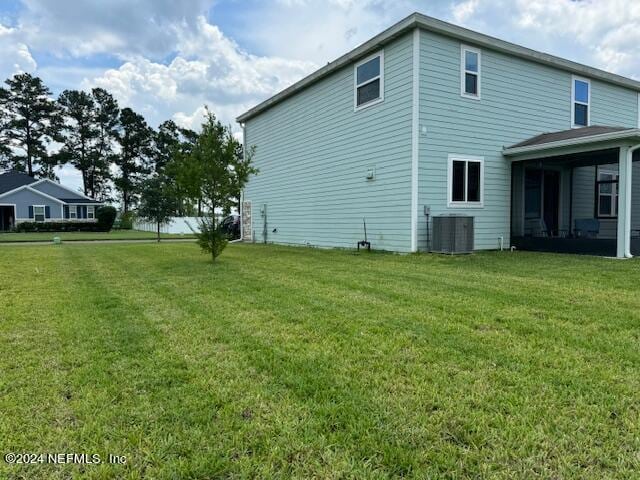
[418, 20]
[369, 46]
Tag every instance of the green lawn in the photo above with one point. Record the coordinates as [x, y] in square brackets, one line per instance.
[71, 236]
[297, 363]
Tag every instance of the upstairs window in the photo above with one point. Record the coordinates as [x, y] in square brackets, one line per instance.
[581, 96]
[465, 181]
[470, 72]
[607, 188]
[369, 81]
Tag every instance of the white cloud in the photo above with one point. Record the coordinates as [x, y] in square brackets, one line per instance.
[16, 57]
[118, 27]
[463, 11]
[608, 29]
[209, 69]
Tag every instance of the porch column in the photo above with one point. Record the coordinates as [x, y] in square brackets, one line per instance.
[624, 205]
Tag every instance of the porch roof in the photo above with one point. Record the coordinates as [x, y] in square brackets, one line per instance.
[572, 141]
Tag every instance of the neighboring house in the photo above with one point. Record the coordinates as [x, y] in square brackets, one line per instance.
[25, 199]
[429, 119]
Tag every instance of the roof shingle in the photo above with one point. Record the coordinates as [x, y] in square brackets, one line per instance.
[13, 179]
[568, 134]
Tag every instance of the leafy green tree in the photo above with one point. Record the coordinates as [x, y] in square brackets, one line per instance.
[134, 138]
[158, 201]
[32, 121]
[209, 174]
[171, 142]
[242, 168]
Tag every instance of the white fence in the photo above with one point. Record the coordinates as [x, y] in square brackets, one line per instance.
[175, 225]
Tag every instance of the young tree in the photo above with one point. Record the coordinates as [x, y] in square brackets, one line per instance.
[134, 138]
[33, 121]
[158, 201]
[107, 118]
[80, 133]
[209, 173]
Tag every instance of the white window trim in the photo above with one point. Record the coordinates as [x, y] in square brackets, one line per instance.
[574, 101]
[75, 212]
[91, 212]
[44, 213]
[463, 71]
[614, 193]
[464, 158]
[357, 107]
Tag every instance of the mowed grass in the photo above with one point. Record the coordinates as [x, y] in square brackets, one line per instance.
[299, 363]
[74, 236]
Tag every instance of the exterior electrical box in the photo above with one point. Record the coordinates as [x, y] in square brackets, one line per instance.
[452, 234]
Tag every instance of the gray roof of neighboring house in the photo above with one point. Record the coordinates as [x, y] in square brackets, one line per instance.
[79, 200]
[568, 135]
[417, 20]
[12, 179]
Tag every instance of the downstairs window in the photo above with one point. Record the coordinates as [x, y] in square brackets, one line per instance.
[607, 190]
[465, 181]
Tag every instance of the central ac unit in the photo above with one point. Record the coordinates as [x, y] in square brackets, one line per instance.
[452, 234]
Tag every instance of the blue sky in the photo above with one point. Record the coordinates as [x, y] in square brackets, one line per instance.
[167, 58]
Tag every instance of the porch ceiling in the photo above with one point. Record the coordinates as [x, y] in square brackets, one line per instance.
[567, 142]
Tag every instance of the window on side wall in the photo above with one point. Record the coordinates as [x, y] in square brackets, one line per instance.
[466, 181]
[470, 59]
[607, 190]
[369, 81]
[39, 213]
[581, 102]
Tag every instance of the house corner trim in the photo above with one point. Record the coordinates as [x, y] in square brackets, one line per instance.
[415, 139]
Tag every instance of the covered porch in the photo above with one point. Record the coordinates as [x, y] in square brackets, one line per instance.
[574, 192]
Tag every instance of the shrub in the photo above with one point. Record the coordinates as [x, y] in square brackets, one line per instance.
[69, 226]
[211, 238]
[106, 216]
[126, 221]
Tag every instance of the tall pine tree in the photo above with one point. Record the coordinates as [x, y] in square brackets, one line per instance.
[80, 132]
[33, 121]
[107, 119]
[135, 142]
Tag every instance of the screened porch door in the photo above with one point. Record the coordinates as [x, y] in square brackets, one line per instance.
[542, 201]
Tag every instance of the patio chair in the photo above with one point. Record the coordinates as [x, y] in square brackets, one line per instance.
[538, 228]
[535, 227]
[587, 228]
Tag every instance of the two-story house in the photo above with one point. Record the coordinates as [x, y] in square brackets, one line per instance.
[429, 119]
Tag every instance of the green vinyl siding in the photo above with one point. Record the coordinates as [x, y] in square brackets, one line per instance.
[519, 99]
[314, 152]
